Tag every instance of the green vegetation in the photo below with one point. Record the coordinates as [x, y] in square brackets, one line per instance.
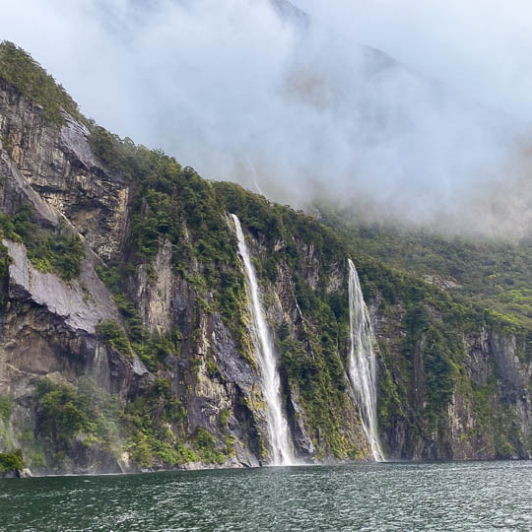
[12, 434]
[33, 451]
[440, 350]
[115, 336]
[6, 408]
[174, 204]
[319, 376]
[310, 352]
[148, 422]
[472, 285]
[490, 274]
[206, 448]
[224, 416]
[49, 251]
[152, 427]
[151, 348]
[6, 411]
[275, 224]
[65, 412]
[10, 462]
[20, 70]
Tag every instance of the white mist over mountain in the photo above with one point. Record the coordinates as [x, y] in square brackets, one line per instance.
[480, 48]
[251, 91]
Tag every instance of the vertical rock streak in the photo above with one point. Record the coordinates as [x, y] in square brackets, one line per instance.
[266, 359]
[362, 368]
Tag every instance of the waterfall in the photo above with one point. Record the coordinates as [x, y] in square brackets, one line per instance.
[266, 359]
[362, 368]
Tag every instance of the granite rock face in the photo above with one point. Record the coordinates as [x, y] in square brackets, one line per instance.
[488, 415]
[49, 326]
[58, 165]
[50, 329]
[81, 305]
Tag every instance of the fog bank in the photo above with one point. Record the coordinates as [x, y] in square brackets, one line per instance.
[244, 92]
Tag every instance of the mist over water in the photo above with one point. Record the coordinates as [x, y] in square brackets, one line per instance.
[247, 93]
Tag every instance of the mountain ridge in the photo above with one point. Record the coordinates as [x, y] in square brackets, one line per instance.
[125, 340]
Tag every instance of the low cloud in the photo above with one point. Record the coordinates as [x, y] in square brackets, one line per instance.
[243, 94]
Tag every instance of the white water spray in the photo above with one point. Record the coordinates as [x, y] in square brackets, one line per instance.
[362, 367]
[254, 172]
[265, 356]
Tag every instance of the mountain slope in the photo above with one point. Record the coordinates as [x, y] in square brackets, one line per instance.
[291, 13]
[126, 339]
[491, 272]
[358, 125]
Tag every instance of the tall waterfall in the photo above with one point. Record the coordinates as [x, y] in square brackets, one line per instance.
[362, 368]
[265, 356]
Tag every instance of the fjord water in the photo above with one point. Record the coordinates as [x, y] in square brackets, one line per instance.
[362, 369]
[373, 497]
[266, 359]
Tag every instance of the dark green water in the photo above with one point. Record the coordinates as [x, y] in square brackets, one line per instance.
[388, 497]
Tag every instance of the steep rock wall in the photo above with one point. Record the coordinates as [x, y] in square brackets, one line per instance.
[143, 359]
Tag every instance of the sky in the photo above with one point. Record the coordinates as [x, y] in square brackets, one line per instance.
[229, 87]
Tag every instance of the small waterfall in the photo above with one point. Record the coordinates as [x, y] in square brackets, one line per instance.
[362, 367]
[265, 356]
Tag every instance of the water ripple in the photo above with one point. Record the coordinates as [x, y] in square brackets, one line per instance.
[495, 496]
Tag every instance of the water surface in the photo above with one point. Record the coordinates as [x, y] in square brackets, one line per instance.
[476, 496]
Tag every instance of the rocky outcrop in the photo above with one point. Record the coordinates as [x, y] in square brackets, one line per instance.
[144, 358]
[59, 166]
[488, 415]
[81, 305]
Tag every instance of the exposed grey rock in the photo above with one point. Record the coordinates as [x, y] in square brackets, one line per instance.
[16, 192]
[60, 167]
[81, 307]
[48, 326]
[291, 13]
[75, 140]
[26, 473]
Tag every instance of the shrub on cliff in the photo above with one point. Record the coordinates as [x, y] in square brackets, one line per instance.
[11, 462]
[19, 69]
[114, 335]
[56, 251]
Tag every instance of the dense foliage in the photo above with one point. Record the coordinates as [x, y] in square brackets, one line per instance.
[421, 330]
[491, 274]
[20, 70]
[56, 251]
[148, 420]
[310, 354]
[174, 204]
[11, 462]
[442, 290]
[65, 411]
[114, 335]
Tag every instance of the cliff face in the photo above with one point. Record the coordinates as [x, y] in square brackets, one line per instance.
[483, 411]
[79, 395]
[125, 330]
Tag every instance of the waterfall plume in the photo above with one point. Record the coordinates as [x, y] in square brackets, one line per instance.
[362, 368]
[266, 359]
